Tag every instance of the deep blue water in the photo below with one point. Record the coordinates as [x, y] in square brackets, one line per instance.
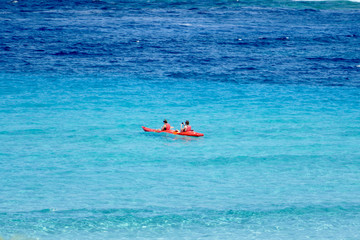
[273, 85]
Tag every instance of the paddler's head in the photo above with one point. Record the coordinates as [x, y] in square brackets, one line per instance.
[187, 122]
[165, 121]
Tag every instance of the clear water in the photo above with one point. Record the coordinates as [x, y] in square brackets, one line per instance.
[273, 86]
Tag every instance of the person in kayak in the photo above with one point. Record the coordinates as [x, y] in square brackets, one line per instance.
[166, 126]
[186, 128]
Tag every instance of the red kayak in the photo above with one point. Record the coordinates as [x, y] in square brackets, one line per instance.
[190, 133]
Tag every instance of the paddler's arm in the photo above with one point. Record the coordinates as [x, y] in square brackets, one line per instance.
[182, 128]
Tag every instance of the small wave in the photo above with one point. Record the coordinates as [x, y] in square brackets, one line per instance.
[20, 237]
[184, 75]
[309, 10]
[23, 132]
[335, 59]
[155, 216]
[310, 0]
[245, 68]
[63, 53]
[6, 48]
[185, 24]
[283, 38]
[49, 29]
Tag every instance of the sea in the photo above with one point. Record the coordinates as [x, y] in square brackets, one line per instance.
[274, 86]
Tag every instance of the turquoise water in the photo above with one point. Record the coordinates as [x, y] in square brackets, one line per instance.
[275, 159]
[273, 85]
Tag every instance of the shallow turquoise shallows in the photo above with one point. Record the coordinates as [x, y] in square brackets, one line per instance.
[275, 160]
